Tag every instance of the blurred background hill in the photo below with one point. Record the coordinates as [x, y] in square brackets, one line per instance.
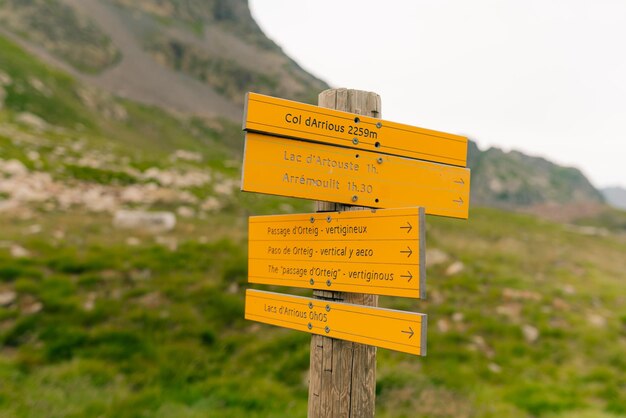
[197, 57]
[115, 105]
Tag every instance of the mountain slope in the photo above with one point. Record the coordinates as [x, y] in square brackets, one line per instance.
[196, 57]
[515, 180]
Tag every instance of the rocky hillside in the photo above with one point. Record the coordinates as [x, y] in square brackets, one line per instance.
[512, 180]
[194, 56]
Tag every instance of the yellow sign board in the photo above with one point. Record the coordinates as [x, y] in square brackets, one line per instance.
[308, 170]
[281, 117]
[367, 251]
[386, 328]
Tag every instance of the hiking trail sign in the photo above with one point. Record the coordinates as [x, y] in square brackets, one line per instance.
[386, 328]
[287, 167]
[342, 155]
[368, 251]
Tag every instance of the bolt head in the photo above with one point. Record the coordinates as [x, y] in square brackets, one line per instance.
[327, 308]
[379, 125]
[327, 330]
[310, 305]
[312, 219]
[328, 282]
[355, 198]
[355, 141]
[312, 281]
[310, 326]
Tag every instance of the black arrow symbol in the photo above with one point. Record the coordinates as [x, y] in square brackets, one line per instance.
[459, 181]
[409, 252]
[459, 201]
[410, 332]
[409, 227]
[410, 276]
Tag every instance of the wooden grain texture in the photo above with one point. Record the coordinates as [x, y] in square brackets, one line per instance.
[343, 374]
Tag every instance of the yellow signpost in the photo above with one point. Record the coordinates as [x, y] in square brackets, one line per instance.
[370, 251]
[281, 117]
[340, 158]
[386, 328]
[308, 170]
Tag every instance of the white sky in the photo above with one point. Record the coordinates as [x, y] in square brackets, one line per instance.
[547, 77]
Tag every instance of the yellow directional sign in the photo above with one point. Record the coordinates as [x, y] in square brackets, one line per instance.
[372, 224]
[386, 328]
[368, 251]
[391, 252]
[308, 170]
[282, 117]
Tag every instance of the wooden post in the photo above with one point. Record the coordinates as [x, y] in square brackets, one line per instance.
[343, 374]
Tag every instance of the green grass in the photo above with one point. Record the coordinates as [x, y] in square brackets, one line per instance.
[165, 331]
[611, 219]
[170, 335]
[96, 175]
